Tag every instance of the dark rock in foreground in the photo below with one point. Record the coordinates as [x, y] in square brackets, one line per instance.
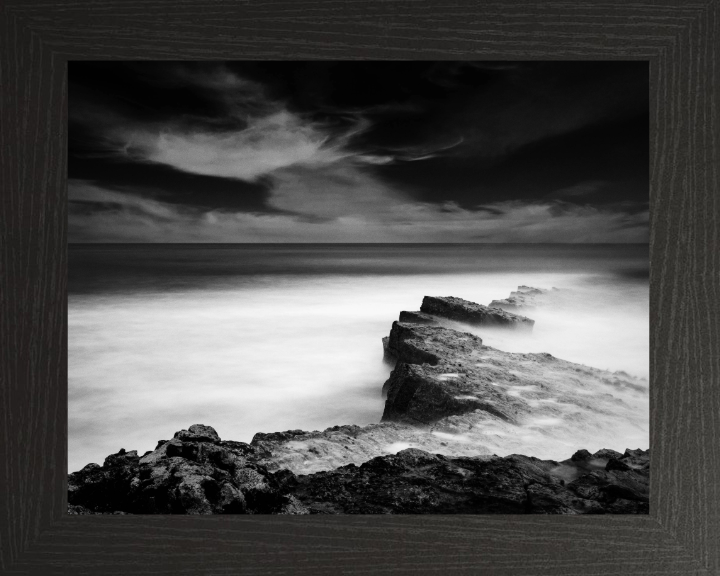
[471, 313]
[416, 482]
[194, 473]
[197, 473]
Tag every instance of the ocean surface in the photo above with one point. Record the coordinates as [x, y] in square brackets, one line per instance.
[262, 338]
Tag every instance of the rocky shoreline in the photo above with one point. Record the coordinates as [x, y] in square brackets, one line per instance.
[452, 405]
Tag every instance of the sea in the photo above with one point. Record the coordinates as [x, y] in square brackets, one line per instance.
[268, 337]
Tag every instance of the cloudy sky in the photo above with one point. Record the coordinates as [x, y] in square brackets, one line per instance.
[358, 152]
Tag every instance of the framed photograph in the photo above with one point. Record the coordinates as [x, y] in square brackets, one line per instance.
[349, 288]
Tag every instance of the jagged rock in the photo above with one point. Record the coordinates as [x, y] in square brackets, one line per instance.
[636, 459]
[104, 488]
[122, 457]
[417, 318]
[417, 482]
[525, 298]
[467, 399]
[193, 473]
[615, 464]
[228, 478]
[259, 438]
[581, 455]
[198, 433]
[418, 344]
[471, 313]
[509, 303]
[410, 482]
[607, 454]
[477, 395]
[414, 397]
[387, 355]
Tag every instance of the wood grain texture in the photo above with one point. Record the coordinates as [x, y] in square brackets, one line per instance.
[681, 43]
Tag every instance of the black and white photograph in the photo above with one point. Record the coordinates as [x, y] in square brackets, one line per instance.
[358, 287]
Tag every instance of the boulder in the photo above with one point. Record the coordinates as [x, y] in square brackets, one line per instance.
[198, 433]
[104, 488]
[471, 313]
[580, 456]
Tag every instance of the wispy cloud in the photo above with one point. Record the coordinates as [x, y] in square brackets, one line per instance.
[266, 144]
[338, 173]
[367, 218]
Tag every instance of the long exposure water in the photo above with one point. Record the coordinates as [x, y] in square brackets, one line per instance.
[262, 338]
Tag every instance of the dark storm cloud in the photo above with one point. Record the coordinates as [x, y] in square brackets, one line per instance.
[359, 151]
[607, 160]
[155, 92]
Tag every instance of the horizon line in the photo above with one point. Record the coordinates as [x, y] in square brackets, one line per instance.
[360, 243]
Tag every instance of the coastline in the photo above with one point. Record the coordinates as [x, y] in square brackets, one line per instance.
[452, 405]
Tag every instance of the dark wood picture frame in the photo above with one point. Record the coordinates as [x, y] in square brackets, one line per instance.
[681, 42]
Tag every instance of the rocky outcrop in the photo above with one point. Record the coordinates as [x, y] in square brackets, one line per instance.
[461, 310]
[475, 395]
[450, 394]
[309, 452]
[197, 473]
[524, 298]
[417, 482]
[418, 344]
[417, 318]
[194, 473]
[457, 416]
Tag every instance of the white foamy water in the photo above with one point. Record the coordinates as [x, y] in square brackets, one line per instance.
[261, 352]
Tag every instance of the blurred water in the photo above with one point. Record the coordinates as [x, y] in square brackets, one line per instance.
[261, 338]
